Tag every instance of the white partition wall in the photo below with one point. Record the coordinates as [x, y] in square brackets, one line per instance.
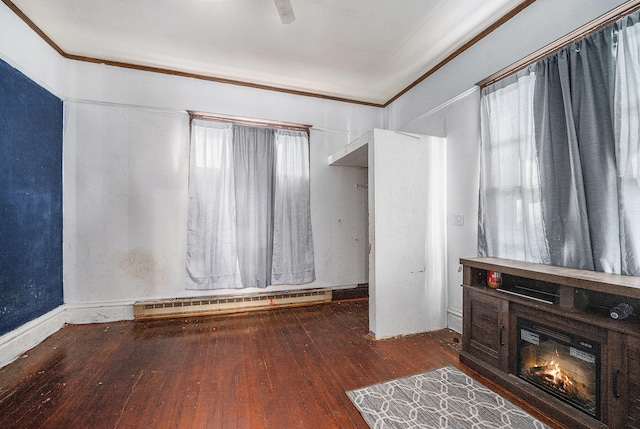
[407, 234]
[407, 229]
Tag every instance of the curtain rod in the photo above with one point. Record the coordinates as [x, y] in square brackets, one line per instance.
[249, 121]
[566, 40]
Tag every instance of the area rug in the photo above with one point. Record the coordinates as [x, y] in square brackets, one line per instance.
[441, 398]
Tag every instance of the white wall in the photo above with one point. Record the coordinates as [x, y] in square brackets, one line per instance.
[446, 104]
[459, 121]
[126, 177]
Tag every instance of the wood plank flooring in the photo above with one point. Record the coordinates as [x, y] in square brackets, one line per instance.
[281, 368]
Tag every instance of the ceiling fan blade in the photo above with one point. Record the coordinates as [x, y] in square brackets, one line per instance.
[286, 11]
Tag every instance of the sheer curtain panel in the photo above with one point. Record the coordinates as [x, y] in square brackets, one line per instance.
[510, 223]
[249, 217]
[627, 137]
[212, 254]
[292, 238]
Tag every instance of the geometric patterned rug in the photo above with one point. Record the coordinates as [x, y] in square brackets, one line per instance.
[441, 398]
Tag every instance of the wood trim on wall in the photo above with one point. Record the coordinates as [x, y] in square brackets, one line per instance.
[214, 79]
[161, 70]
[34, 27]
[248, 121]
[580, 33]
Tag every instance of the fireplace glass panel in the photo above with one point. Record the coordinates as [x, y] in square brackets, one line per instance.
[566, 366]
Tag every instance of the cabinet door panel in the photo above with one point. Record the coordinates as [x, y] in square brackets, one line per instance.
[623, 391]
[633, 385]
[485, 328]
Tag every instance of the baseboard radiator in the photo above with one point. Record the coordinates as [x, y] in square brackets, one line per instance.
[201, 306]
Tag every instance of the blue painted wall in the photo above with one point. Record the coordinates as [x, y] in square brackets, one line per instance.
[30, 199]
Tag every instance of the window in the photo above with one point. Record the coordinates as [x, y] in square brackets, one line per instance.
[249, 207]
[574, 117]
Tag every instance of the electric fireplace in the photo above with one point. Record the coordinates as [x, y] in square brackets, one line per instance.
[564, 365]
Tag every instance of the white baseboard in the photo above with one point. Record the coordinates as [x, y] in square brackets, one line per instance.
[454, 319]
[99, 312]
[343, 287]
[15, 343]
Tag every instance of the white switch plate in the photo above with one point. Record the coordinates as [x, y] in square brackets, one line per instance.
[458, 219]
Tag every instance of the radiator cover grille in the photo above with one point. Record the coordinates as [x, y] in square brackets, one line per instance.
[228, 303]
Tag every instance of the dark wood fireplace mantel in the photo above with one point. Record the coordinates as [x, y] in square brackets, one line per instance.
[574, 301]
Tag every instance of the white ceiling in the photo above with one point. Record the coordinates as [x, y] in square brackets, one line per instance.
[362, 50]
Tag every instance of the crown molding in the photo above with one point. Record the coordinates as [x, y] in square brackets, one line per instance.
[179, 73]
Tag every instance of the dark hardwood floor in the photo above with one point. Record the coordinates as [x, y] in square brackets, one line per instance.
[281, 368]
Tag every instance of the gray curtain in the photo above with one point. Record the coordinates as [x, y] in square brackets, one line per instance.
[573, 105]
[254, 158]
[575, 151]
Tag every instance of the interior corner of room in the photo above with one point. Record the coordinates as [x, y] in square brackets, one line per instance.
[96, 173]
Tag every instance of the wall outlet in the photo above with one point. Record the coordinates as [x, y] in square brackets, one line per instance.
[458, 219]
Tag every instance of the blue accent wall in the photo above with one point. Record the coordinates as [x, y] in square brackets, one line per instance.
[30, 199]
